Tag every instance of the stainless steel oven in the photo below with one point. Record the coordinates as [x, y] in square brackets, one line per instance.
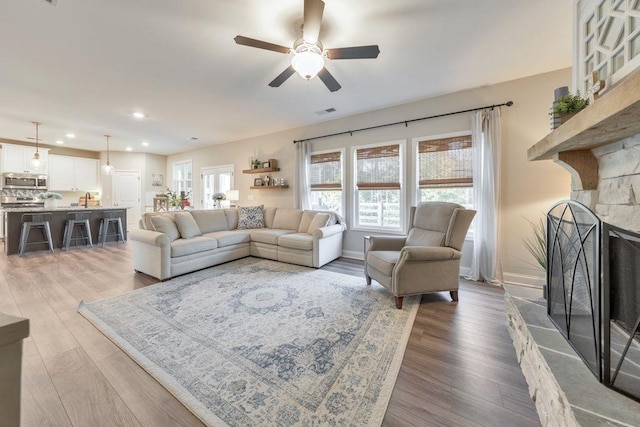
[24, 181]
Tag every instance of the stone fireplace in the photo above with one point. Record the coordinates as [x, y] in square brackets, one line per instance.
[600, 147]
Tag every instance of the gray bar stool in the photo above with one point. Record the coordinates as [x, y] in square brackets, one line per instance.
[111, 225]
[80, 219]
[40, 221]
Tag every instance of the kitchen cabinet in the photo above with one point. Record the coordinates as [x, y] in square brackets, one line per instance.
[68, 173]
[16, 158]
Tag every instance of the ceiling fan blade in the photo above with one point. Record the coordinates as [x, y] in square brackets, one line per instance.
[328, 80]
[282, 77]
[246, 41]
[313, 10]
[356, 52]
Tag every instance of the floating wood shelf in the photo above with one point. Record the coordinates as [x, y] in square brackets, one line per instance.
[268, 187]
[261, 170]
[612, 117]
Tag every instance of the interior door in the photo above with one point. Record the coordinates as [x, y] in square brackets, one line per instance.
[127, 194]
[215, 179]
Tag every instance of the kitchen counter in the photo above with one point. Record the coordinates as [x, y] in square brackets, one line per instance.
[13, 224]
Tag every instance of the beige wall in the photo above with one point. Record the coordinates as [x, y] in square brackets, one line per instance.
[528, 188]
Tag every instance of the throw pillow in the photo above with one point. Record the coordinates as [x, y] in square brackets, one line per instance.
[307, 217]
[187, 226]
[319, 221]
[250, 217]
[165, 224]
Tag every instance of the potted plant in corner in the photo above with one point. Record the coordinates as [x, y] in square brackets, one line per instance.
[566, 107]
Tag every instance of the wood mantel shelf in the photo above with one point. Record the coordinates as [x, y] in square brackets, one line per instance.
[612, 117]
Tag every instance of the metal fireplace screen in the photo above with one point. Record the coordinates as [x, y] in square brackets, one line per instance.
[573, 278]
[598, 315]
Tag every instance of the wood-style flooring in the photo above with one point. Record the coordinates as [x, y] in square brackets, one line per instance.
[459, 368]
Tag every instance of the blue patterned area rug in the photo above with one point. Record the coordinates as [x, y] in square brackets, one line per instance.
[261, 343]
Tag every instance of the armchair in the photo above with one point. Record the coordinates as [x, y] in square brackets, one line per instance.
[427, 259]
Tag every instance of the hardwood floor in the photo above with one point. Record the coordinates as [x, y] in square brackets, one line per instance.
[459, 368]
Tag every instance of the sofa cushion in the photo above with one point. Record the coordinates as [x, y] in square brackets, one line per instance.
[210, 220]
[269, 213]
[182, 247]
[419, 237]
[307, 217]
[301, 241]
[165, 224]
[383, 261]
[187, 226]
[268, 235]
[319, 220]
[232, 218]
[231, 237]
[250, 217]
[287, 219]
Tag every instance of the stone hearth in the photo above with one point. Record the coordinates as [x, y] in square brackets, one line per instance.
[564, 390]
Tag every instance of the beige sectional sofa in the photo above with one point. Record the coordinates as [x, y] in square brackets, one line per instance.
[169, 244]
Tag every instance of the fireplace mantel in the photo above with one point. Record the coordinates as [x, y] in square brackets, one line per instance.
[612, 117]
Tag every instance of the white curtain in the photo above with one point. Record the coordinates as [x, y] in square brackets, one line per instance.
[302, 199]
[486, 130]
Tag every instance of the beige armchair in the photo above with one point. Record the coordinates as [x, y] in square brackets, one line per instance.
[428, 258]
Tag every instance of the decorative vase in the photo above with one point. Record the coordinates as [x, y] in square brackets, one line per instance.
[50, 203]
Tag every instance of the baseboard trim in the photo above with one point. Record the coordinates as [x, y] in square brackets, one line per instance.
[523, 279]
[353, 254]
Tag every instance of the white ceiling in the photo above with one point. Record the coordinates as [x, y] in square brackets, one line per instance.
[84, 65]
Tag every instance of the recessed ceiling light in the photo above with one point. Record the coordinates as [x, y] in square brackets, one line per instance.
[138, 115]
[60, 142]
[145, 144]
[70, 135]
[129, 149]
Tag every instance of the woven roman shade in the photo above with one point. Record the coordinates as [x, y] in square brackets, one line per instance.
[378, 168]
[446, 162]
[326, 171]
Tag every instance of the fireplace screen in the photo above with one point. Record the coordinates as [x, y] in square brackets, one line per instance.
[598, 315]
[573, 278]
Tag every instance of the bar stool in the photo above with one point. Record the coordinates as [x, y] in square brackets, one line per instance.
[111, 218]
[29, 221]
[77, 219]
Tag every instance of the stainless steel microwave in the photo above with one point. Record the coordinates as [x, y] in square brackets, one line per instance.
[25, 181]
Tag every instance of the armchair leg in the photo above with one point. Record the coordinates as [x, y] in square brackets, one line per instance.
[454, 295]
[399, 303]
[368, 279]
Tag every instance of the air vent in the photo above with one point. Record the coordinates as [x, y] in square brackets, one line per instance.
[327, 111]
[52, 2]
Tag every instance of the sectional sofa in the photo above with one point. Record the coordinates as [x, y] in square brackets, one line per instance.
[169, 244]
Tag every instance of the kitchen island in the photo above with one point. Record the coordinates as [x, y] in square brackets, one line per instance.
[59, 216]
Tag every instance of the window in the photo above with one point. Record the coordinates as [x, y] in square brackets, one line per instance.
[325, 178]
[445, 170]
[182, 177]
[378, 177]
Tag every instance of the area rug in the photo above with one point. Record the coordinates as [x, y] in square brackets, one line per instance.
[262, 343]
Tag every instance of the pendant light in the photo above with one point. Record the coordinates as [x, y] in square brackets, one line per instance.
[107, 169]
[36, 164]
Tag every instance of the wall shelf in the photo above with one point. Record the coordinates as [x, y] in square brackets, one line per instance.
[612, 117]
[269, 187]
[261, 170]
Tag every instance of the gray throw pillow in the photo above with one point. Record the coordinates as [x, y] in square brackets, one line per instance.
[165, 224]
[319, 221]
[250, 217]
[187, 225]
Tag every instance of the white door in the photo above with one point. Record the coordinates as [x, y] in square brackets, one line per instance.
[216, 179]
[127, 194]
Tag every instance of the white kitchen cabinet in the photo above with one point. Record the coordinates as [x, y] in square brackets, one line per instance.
[68, 173]
[16, 158]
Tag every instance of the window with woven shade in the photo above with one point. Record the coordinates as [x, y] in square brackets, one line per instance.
[446, 162]
[326, 171]
[378, 168]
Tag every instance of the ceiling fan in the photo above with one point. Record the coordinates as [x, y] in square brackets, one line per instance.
[308, 52]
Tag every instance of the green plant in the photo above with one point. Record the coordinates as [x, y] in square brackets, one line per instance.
[49, 195]
[569, 104]
[537, 243]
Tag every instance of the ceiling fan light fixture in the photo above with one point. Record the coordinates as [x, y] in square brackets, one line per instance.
[308, 60]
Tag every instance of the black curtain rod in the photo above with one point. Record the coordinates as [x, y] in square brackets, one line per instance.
[405, 122]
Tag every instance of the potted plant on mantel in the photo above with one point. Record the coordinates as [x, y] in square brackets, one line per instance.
[566, 107]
